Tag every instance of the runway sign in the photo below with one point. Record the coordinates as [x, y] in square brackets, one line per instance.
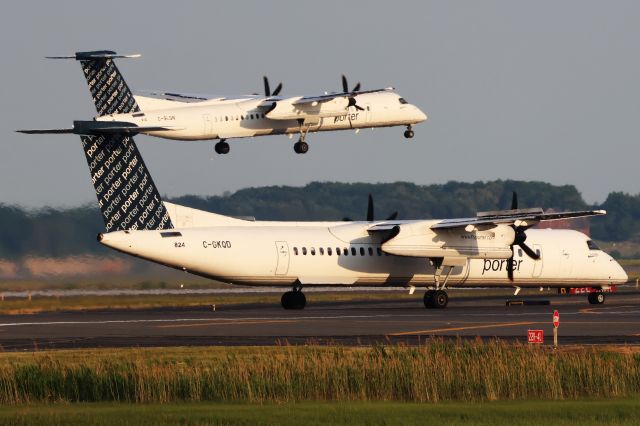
[535, 336]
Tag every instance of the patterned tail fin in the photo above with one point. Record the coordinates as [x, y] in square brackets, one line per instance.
[109, 91]
[126, 193]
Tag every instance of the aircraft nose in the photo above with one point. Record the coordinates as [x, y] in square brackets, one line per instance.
[420, 116]
[618, 274]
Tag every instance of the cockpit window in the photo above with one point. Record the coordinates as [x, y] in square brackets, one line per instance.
[403, 101]
[592, 245]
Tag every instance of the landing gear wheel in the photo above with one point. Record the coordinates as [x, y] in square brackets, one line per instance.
[428, 298]
[293, 300]
[596, 298]
[222, 148]
[408, 134]
[301, 147]
[440, 299]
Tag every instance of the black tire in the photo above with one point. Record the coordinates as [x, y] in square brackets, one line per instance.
[222, 148]
[596, 298]
[408, 134]
[428, 299]
[440, 299]
[300, 300]
[293, 300]
[296, 147]
[285, 300]
[303, 147]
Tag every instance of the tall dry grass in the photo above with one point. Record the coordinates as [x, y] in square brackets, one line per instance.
[462, 371]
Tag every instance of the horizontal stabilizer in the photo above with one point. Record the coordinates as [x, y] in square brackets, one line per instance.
[96, 54]
[100, 128]
[45, 131]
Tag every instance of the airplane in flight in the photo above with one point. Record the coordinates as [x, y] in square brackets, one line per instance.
[492, 249]
[190, 117]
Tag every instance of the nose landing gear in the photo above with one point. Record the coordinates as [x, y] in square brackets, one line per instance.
[294, 299]
[222, 147]
[596, 298]
[409, 132]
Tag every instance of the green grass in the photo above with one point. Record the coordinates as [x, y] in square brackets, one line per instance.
[437, 371]
[584, 412]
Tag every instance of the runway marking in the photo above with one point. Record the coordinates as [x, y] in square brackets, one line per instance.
[182, 320]
[206, 324]
[473, 327]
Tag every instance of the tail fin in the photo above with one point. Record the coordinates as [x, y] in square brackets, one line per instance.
[126, 193]
[109, 91]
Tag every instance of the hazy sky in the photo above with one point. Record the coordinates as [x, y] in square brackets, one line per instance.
[545, 90]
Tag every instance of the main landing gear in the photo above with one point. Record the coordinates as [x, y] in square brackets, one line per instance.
[596, 298]
[222, 147]
[436, 299]
[301, 147]
[409, 132]
[295, 298]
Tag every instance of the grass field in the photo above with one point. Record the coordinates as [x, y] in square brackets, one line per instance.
[435, 372]
[583, 412]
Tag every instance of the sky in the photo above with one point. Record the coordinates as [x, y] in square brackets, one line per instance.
[545, 90]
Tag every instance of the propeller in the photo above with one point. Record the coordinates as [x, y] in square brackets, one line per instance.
[519, 240]
[352, 99]
[345, 86]
[370, 212]
[267, 89]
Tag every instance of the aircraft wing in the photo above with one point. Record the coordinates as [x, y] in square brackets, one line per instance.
[100, 127]
[310, 100]
[314, 107]
[178, 97]
[524, 216]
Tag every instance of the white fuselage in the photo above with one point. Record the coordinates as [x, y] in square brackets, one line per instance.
[248, 117]
[342, 253]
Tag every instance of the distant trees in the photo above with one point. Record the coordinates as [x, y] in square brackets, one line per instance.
[60, 232]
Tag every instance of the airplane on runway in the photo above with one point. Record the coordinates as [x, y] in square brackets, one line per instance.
[195, 117]
[493, 249]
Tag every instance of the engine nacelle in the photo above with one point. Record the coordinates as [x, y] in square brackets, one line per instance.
[418, 240]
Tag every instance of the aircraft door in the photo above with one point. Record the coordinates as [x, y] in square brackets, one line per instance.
[537, 264]
[208, 125]
[282, 263]
[367, 110]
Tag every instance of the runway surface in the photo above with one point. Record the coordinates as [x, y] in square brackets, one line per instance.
[357, 322]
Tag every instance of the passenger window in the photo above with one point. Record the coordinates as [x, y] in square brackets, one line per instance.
[345, 252]
[353, 251]
[337, 251]
[226, 118]
[304, 251]
[592, 245]
[379, 250]
[361, 251]
[370, 251]
[295, 251]
[329, 251]
[252, 116]
[321, 251]
[313, 251]
[519, 252]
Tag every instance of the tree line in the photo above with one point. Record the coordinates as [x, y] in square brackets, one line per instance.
[71, 231]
